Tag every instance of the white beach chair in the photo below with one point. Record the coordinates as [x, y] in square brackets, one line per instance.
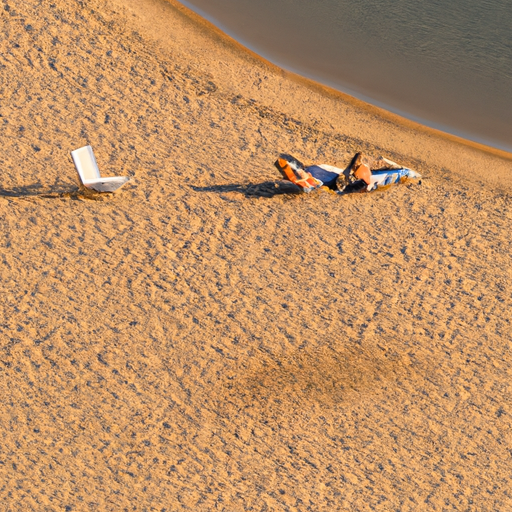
[89, 174]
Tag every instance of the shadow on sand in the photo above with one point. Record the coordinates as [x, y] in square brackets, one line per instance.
[266, 189]
[39, 191]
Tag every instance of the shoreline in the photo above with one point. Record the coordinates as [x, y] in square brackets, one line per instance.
[365, 102]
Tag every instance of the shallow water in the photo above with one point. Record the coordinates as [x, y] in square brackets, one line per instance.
[446, 64]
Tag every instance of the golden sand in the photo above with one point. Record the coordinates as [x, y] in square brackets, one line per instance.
[205, 339]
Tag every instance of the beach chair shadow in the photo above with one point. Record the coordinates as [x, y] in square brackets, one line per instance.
[89, 174]
[38, 190]
[265, 189]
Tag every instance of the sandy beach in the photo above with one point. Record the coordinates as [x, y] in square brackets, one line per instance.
[209, 339]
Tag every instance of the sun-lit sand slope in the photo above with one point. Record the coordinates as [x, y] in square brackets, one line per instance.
[207, 339]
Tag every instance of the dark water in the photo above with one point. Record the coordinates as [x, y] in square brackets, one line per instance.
[444, 63]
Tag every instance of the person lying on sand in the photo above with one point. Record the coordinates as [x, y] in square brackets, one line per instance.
[364, 174]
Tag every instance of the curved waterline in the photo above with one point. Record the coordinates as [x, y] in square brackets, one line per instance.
[374, 57]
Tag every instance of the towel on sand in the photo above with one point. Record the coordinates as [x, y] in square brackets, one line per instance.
[384, 173]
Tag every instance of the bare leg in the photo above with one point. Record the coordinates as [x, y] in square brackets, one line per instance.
[364, 173]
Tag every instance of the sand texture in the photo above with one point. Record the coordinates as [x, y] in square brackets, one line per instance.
[209, 339]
